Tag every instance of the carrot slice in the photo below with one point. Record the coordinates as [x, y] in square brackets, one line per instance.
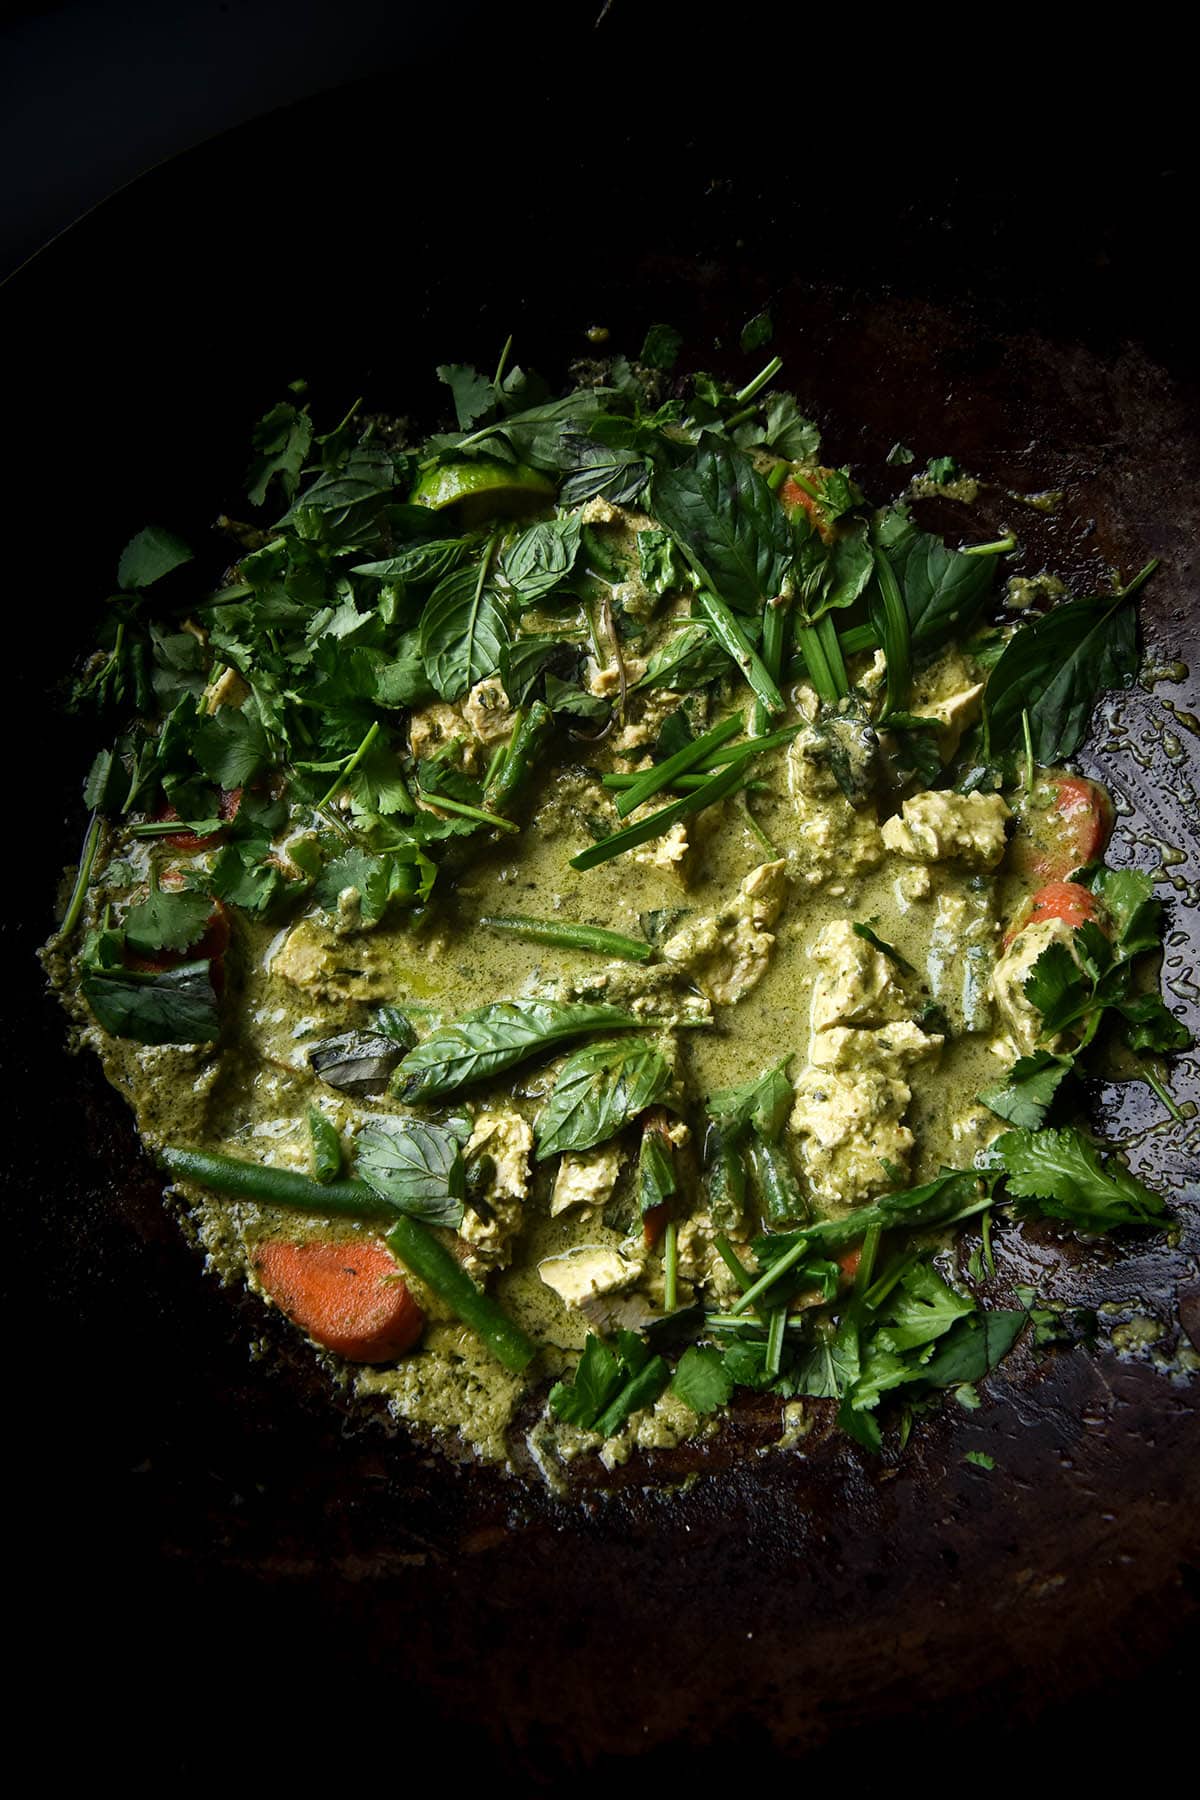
[792, 495]
[187, 841]
[348, 1296]
[1065, 900]
[1070, 829]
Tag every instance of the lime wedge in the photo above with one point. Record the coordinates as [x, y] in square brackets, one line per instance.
[483, 489]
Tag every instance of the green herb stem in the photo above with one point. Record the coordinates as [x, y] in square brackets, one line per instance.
[890, 619]
[759, 382]
[997, 547]
[83, 876]
[526, 737]
[464, 811]
[341, 779]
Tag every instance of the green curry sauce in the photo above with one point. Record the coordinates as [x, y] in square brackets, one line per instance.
[414, 705]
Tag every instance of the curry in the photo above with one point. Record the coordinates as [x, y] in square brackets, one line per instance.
[593, 916]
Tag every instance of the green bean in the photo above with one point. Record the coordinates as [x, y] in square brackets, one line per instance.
[276, 1187]
[573, 937]
[415, 1245]
[527, 734]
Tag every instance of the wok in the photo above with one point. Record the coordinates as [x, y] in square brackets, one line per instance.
[219, 1526]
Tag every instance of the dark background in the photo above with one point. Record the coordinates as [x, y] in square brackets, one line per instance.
[395, 175]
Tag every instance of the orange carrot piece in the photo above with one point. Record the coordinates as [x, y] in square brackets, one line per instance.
[347, 1296]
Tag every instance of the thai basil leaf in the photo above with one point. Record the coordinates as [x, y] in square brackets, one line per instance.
[723, 513]
[541, 558]
[599, 1089]
[149, 556]
[417, 1166]
[355, 1062]
[493, 1039]
[465, 631]
[1055, 671]
[169, 1006]
[944, 591]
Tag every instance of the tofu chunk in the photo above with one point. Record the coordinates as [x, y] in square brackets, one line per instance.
[728, 954]
[943, 827]
[437, 725]
[588, 1272]
[892, 1050]
[856, 984]
[844, 1128]
[489, 712]
[585, 1178]
[836, 840]
[331, 967]
[506, 1139]
[1012, 971]
[962, 951]
[946, 690]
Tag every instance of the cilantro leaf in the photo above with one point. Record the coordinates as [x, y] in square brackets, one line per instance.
[661, 347]
[702, 1380]
[473, 394]
[231, 747]
[281, 441]
[608, 1385]
[1032, 1083]
[166, 921]
[401, 875]
[150, 555]
[595, 1384]
[1064, 1174]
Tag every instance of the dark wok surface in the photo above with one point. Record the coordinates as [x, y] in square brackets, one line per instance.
[204, 1504]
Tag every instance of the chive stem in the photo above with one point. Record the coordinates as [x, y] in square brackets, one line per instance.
[340, 780]
[736, 644]
[652, 781]
[717, 787]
